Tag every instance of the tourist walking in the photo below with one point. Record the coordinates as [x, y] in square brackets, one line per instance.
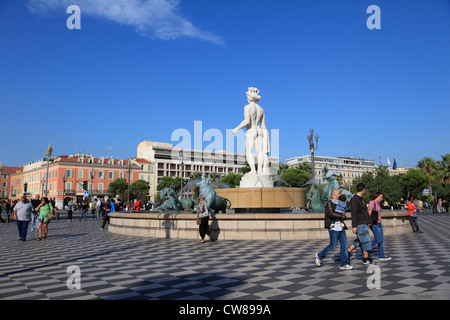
[46, 210]
[70, 210]
[412, 209]
[83, 208]
[374, 210]
[334, 222]
[105, 211]
[360, 224]
[34, 216]
[22, 214]
[203, 218]
[137, 205]
[1, 207]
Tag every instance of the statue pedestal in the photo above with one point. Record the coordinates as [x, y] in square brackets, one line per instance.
[253, 180]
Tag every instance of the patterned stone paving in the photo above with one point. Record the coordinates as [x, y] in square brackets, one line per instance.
[116, 267]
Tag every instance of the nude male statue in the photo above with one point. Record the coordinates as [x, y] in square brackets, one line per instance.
[257, 136]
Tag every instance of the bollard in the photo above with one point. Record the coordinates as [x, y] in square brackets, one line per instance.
[8, 219]
[57, 215]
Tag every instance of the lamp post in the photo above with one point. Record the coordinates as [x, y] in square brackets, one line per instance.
[2, 166]
[181, 168]
[313, 147]
[48, 154]
[129, 174]
[64, 193]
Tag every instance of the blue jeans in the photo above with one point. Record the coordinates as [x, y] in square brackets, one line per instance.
[378, 234]
[34, 222]
[83, 213]
[415, 224]
[363, 237]
[336, 236]
[22, 226]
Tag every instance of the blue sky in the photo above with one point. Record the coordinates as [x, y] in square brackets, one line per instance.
[138, 70]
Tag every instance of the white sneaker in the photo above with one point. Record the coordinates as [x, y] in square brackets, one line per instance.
[385, 259]
[346, 267]
[318, 261]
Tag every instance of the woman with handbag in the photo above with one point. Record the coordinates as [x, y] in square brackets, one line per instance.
[374, 210]
[203, 219]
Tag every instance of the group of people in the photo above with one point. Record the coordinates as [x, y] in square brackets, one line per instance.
[38, 212]
[364, 218]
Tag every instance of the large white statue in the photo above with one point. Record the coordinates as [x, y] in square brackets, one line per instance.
[257, 137]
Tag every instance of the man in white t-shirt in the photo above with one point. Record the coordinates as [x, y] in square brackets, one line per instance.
[22, 214]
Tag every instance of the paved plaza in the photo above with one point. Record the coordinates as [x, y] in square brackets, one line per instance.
[116, 267]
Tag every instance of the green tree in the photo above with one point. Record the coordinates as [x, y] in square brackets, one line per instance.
[382, 182]
[296, 177]
[139, 190]
[428, 166]
[232, 179]
[442, 172]
[169, 182]
[196, 175]
[215, 177]
[282, 168]
[414, 181]
[304, 166]
[118, 187]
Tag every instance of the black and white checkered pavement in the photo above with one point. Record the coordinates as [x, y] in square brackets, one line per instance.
[122, 267]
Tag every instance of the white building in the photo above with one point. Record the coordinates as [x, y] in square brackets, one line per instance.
[167, 160]
[350, 168]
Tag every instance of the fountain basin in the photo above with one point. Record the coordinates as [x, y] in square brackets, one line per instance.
[244, 226]
[263, 200]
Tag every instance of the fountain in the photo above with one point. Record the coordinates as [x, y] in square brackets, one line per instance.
[259, 205]
[318, 201]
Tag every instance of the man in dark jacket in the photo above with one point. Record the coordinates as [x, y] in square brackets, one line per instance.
[334, 222]
[360, 224]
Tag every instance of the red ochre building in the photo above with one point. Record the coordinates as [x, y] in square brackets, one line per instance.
[66, 175]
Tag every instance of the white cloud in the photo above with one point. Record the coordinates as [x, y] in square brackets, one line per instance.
[152, 18]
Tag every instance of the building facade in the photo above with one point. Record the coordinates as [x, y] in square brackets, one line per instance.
[350, 168]
[66, 175]
[6, 188]
[174, 162]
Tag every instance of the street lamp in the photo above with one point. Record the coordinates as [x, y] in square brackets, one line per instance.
[313, 147]
[129, 174]
[48, 154]
[182, 164]
[2, 166]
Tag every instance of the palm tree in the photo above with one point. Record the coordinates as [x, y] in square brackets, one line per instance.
[442, 174]
[428, 166]
[215, 177]
[282, 168]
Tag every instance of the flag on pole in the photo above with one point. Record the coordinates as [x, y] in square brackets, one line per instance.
[388, 162]
[394, 166]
